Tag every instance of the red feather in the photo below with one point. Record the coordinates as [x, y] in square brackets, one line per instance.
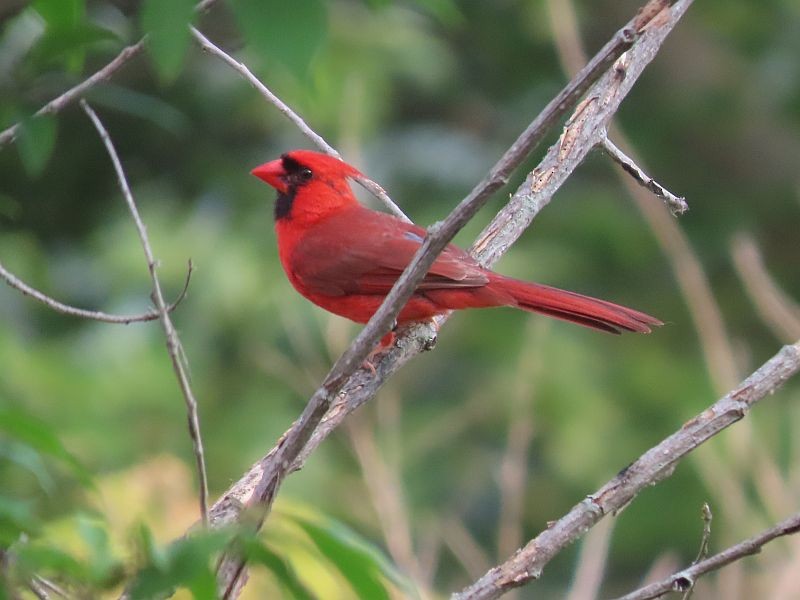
[345, 257]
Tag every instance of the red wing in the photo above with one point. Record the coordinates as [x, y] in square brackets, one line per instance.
[361, 251]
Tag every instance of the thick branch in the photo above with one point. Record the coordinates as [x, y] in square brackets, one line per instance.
[260, 484]
[174, 347]
[685, 580]
[656, 464]
[584, 131]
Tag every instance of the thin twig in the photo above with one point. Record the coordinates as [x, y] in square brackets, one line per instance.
[58, 104]
[74, 93]
[16, 283]
[261, 483]
[174, 347]
[707, 517]
[298, 121]
[676, 204]
[702, 553]
[653, 466]
[686, 579]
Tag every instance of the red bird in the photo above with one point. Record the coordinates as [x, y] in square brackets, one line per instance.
[345, 257]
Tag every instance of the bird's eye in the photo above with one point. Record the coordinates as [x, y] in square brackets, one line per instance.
[305, 174]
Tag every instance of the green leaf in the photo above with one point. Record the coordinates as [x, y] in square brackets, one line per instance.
[36, 140]
[144, 106]
[60, 12]
[62, 17]
[40, 436]
[257, 553]
[16, 518]
[445, 11]
[60, 43]
[186, 563]
[29, 459]
[103, 567]
[153, 553]
[166, 24]
[361, 564]
[290, 32]
[36, 558]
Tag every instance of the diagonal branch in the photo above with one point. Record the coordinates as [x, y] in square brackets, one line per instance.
[260, 484]
[685, 580]
[676, 204]
[76, 92]
[656, 464]
[58, 104]
[95, 315]
[373, 187]
[174, 347]
[586, 124]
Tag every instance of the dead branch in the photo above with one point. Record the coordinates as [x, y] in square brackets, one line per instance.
[174, 347]
[56, 105]
[676, 204]
[653, 466]
[94, 315]
[344, 388]
[685, 580]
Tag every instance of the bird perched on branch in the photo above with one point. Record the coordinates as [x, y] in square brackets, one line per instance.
[345, 257]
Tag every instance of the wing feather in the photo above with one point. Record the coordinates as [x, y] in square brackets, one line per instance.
[360, 251]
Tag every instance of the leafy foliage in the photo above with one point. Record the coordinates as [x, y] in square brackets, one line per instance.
[166, 24]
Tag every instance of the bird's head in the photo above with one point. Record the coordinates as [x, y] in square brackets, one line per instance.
[308, 182]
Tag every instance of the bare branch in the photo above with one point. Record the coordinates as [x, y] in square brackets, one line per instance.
[686, 267]
[583, 131]
[707, 517]
[702, 553]
[16, 283]
[676, 204]
[58, 104]
[298, 121]
[343, 385]
[656, 464]
[686, 579]
[174, 347]
[74, 93]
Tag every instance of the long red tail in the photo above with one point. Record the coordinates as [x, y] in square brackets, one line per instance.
[569, 306]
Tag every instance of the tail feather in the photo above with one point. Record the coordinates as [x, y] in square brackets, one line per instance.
[576, 308]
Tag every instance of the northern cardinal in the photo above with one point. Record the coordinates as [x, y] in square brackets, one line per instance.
[345, 257]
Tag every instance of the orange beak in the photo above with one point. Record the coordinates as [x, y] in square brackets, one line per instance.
[273, 173]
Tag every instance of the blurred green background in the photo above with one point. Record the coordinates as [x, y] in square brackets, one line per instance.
[474, 447]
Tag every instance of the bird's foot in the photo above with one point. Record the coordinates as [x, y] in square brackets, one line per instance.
[387, 341]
